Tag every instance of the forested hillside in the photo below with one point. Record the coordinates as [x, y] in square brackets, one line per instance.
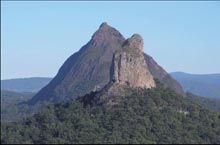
[147, 116]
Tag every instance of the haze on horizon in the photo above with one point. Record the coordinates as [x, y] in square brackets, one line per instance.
[37, 37]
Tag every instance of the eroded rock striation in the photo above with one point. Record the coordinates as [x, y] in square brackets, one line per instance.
[129, 65]
[128, 72]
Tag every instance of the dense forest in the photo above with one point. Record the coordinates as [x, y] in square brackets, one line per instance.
[146, 116]
[209, 103]
[10, 108]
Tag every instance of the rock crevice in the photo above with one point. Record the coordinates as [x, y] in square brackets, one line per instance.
[129, 66]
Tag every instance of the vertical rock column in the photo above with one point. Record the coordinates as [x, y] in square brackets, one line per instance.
[130, 66]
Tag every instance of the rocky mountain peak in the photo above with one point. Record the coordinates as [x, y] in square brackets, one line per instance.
[129, 66]
[104, 25]
[136, 42]
[106, 35]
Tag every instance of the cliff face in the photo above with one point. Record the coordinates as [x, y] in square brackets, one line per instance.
[130, 66]
[128, 72]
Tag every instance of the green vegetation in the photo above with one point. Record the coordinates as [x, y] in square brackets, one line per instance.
[147, 116]
[209, 103]
[6, 94]
[10, 108]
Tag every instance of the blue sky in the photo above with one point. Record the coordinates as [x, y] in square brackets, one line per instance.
[37, 37]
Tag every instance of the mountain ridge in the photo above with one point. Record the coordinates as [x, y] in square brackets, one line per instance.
[206, 85]
[30, 84]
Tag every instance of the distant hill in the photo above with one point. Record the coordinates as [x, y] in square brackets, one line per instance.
[13, 94]
[209, 103]
[32, 84]
[9, 104]
[207, 85]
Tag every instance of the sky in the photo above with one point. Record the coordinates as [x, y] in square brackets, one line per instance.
[38, 36]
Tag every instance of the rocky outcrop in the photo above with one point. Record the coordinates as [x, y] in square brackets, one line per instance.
[136, 42]
[128, 72]
[129, 66]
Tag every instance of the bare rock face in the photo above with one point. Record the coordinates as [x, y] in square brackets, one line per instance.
[129, 66]
[136, 41]
[128, 71]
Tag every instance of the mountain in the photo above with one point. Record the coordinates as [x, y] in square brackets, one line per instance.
[133, 108]
[33, 84]
[89, 69]
[207, 85]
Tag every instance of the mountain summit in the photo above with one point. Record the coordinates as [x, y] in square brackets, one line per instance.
[90, 68]
[106, 37]
[135, 42]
